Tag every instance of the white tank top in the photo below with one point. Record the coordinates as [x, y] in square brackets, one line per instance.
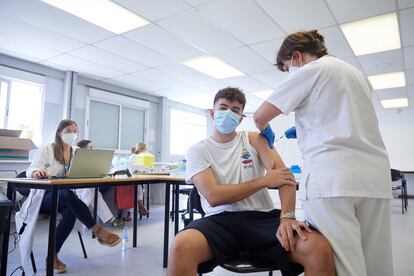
[233, 162]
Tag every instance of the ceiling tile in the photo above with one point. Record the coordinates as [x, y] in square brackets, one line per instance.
[247, 84]
[215, 85]
[384, 62]
[354, 62]
[247, 22]
[50, 39]
[140, 83]
[245, 60]
[164, 42]
[198, 2]
[197, 31]
[272, 78]
[409, 58]
[411, 102]
[184, 73]
[128, 49]
[55, 66]
[83, 66]
[350, 10]
[18, 55]
[19, 45]
[104, 58]
[50, 18]
[155, 9]
[192, 95]
[406, 27]
[403, 4]
[391, 93]
[307, 14]
[336, 43]
[409, 76]
[410, 91]
[268, 49]
[160, 77]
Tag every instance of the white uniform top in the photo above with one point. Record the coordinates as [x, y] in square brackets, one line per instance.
[29, 212]
[337, 131]
[233, 162]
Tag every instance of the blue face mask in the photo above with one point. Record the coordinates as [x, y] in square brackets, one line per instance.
[226, 121]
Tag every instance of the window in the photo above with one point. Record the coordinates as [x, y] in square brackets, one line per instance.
[21, 107]
[114, 121]
[186, 129]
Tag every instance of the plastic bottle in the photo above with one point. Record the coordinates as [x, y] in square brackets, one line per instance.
[125, 239]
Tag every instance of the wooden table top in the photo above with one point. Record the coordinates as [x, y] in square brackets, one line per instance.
[64, 181]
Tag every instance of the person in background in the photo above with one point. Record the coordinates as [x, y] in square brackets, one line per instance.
[137, 149]
[346, 181]
[54, 160]
[104, 213]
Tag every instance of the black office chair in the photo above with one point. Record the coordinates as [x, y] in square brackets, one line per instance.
[240, 262]
[25, 192]
[397, 175]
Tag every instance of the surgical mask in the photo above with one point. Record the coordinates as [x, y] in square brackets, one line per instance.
[293, 69]
[69, 138]
[226, 121]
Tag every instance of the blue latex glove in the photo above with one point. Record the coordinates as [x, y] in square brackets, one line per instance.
[269, 135]
[291, 133]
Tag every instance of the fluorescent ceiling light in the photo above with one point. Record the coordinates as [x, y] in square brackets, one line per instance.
[389, 80]
[213, 67]
[263, 94]
[104, 13]
[373, 35]
[394, 103]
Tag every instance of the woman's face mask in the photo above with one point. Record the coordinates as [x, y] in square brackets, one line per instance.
[292, 68]
[226, 121]
[69, 138]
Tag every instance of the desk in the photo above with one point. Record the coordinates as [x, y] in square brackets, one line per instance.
[55, 185]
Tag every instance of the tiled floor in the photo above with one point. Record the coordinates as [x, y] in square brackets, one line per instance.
[146, 260]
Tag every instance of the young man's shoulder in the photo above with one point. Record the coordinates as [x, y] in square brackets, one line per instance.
[256, 140]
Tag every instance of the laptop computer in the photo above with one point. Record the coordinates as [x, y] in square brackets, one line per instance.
[90, 163]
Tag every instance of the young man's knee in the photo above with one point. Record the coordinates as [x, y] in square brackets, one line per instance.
[191, 243]
[316, 249]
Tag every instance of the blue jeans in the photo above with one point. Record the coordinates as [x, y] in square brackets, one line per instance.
[71, 208]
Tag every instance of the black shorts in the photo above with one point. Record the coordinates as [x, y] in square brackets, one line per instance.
[251, 232]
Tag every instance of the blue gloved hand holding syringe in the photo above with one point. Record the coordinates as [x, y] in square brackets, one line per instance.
[289, 134]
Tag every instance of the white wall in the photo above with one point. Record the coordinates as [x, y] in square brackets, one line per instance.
[397, 130]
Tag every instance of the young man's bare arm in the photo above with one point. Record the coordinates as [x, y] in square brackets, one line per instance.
[226, 193]
[268, 156]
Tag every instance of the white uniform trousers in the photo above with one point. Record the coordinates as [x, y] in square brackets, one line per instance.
[359, 230]
[104, 213]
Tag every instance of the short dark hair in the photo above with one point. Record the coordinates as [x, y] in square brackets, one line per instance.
[231, 94]
[83, 143]
[311, 42]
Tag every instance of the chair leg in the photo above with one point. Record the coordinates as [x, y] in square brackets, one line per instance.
[270, 273]
[82, 245]
[32, 259]
[402, 199]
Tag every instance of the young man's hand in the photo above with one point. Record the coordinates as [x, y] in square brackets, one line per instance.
[275, 178]
[285, 232]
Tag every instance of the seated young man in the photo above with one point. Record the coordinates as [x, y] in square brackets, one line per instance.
[228, 170]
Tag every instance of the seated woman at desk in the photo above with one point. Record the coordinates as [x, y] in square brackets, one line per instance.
[137, 149]
[54, 160]
[104, 213]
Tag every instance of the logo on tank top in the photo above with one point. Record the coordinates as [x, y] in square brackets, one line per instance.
[246, 158]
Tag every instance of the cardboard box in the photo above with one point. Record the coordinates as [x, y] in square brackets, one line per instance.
[14, 148]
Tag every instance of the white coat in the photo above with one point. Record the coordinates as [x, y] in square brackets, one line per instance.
[338, 134]
[29, 211]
